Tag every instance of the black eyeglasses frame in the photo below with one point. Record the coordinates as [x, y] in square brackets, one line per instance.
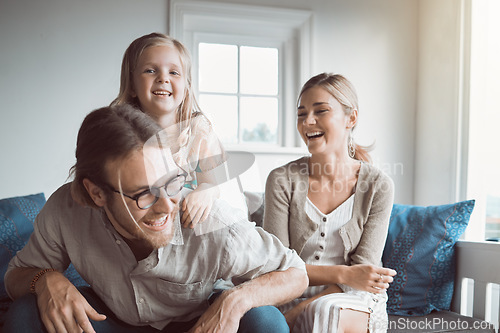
[158, 188]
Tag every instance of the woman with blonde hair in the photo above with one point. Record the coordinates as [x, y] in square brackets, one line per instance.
[333, 208]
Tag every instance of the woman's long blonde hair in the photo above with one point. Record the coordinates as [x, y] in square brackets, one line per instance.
[345, 93]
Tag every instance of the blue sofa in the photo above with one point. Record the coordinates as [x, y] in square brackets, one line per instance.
[411, 230]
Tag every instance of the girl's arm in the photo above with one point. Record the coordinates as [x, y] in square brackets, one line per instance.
[198, 204]
[206, 149]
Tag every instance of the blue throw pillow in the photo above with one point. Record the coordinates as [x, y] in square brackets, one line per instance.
[16, 225]
[17, 216]
[420, 247]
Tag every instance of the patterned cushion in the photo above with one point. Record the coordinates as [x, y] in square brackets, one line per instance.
[17, 216]
[420, 247]
[16, 225]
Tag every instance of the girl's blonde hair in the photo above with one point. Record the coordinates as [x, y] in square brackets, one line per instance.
[188, 106]
[345, 93]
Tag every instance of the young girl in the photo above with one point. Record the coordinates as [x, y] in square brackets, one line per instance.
[156, 78]
[333, 208]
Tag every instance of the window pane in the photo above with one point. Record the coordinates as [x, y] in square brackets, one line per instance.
[259, 119]
[218, 68]
[223, 113]
[492, 215]
[259, 70]
[484, 153]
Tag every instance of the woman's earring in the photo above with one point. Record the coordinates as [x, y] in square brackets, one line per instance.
[350, 146]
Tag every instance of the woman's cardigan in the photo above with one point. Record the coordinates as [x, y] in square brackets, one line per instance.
[363, 235]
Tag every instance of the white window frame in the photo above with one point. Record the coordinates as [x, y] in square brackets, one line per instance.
[192, 21]
[472, 61]
[244, 41]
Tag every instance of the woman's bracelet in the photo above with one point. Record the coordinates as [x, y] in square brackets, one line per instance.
[37, 277]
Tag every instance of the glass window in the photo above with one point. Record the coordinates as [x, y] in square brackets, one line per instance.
[220, 110]
[218, 66]
[239, 90]
[483, 182]
[249, 62]
[259, 70]
[259, 119]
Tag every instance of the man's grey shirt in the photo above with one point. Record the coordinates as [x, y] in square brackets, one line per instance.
[172, 283]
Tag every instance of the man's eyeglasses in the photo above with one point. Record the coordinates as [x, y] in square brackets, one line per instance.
[149, 197]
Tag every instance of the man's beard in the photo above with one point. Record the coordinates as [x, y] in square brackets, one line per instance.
[145, 237]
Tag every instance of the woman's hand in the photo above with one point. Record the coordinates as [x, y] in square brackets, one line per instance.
[198, 204]
[369, 278]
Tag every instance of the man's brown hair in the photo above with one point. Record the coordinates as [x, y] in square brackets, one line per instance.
[108, 133]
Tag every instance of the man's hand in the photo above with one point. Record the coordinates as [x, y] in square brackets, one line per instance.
[223, 316]
[62, 307]
[273, 288]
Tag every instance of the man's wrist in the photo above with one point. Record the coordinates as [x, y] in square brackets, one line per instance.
[237, 300]
[37, 278]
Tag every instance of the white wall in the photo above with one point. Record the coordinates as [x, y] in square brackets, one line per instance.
[375, 44]
[438, 123]
[60, 59]
[442, 143]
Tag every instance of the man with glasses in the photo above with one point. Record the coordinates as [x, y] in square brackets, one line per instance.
[118, 223]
